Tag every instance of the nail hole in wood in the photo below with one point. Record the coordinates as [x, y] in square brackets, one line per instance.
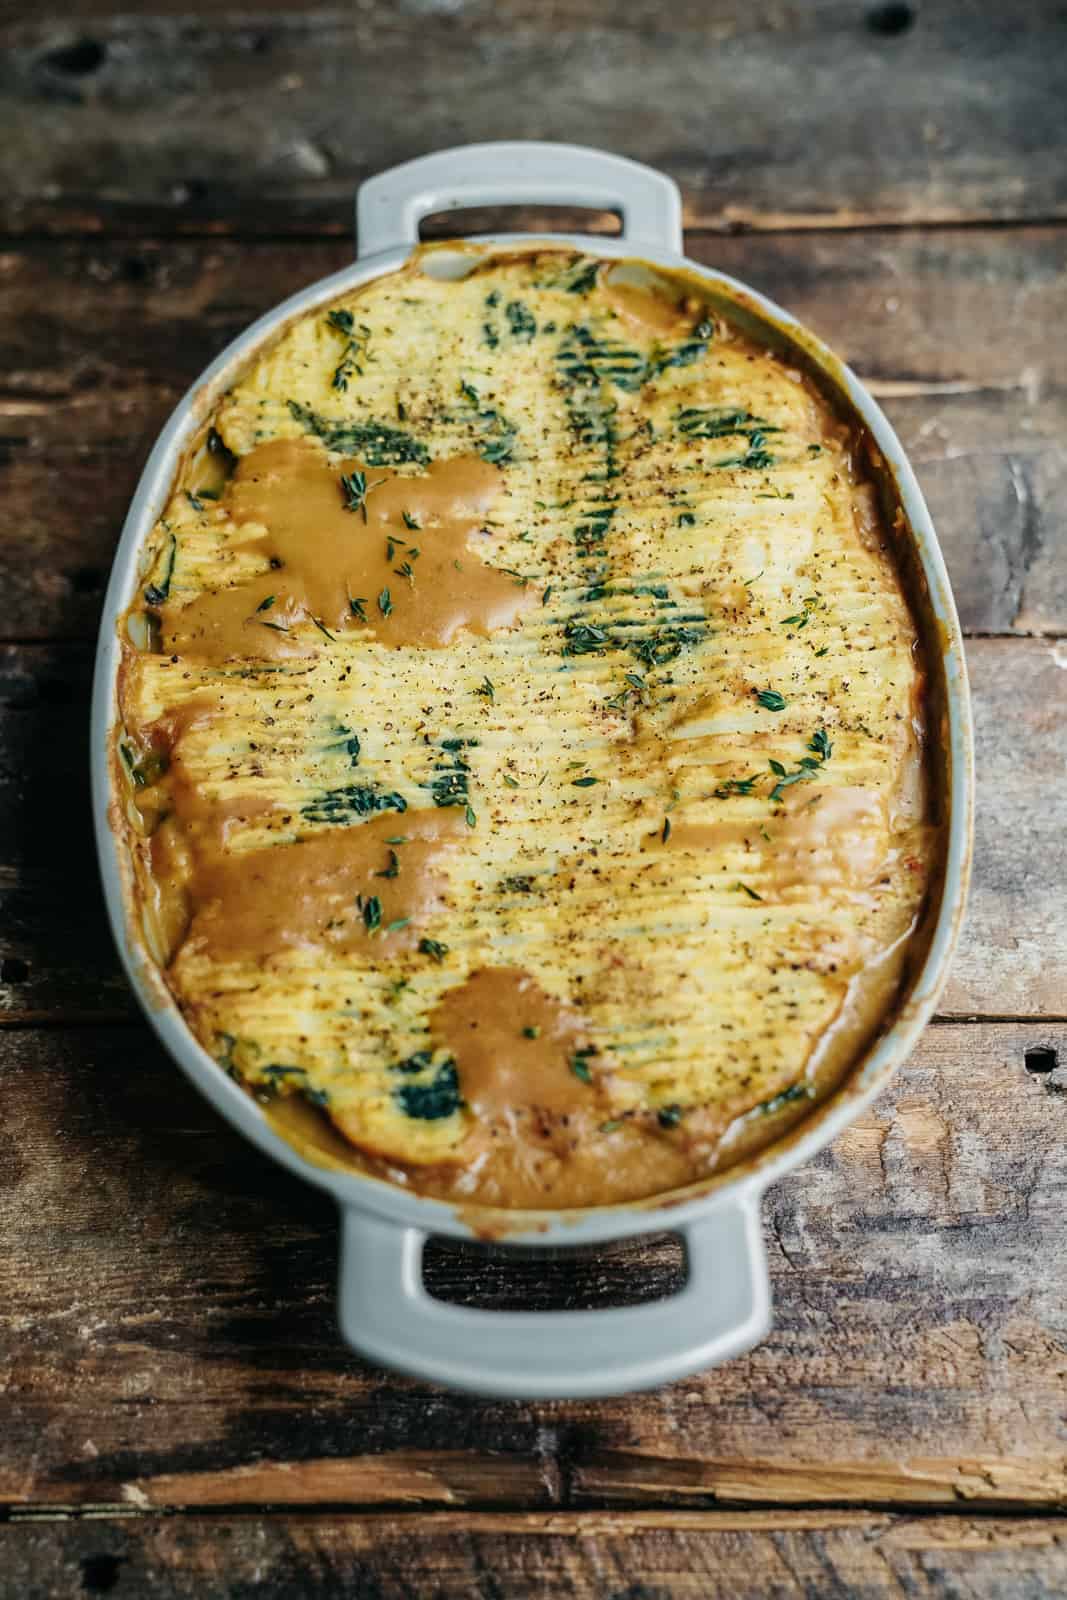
[1041, 1059]
[14, 970]
[85, 580]
[890, 20]
[100, 1574]
[189, 190]
[79, 59]
[135, 269]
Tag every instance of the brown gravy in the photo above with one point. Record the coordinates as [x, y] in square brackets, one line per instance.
[364, 890]
[348, 888]
[830, 836]
[388, 551]
[519, 1047]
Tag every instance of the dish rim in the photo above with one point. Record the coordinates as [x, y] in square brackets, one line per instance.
[872, 1068]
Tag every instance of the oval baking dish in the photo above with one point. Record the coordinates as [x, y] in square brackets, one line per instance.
[723, 1308]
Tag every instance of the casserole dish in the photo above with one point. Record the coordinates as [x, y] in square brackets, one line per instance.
[723, 1308]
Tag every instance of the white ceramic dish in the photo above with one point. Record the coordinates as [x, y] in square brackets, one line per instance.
[385, 1311]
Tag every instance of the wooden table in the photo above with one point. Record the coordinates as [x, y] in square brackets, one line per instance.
[177, 1415]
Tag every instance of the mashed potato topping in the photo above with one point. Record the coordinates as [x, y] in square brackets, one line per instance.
[523, 735]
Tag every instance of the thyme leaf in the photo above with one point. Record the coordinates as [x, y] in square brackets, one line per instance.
[770, 699]
[355, 489]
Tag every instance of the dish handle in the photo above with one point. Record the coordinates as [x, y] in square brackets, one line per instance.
[390, 206]
[723, 1309]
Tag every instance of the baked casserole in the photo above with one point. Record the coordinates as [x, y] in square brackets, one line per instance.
[523, 735]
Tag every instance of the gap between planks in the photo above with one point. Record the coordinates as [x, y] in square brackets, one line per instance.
[778, 224]
[409, 1481]
[508, 1519]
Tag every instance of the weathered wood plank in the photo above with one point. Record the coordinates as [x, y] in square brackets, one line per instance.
[595, 1556]
[168, 1339]
[265, 119]
[961, 334]
[56, 957]
[1012, 959]
[633, 1478]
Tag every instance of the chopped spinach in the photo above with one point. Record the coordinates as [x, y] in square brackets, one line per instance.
[521, 321]
[347, 741]
[581, 278]
[585, 639]
[579, 1063]
[721, 422]
[377, 443]
[148, 770]
[433, 948]
[275, 1072]
[159, 589]
[665, 644]
[428, 1102]
[351, 803]
[450, 785]
[755, 458]
[498, 434]
[518, 883]
[735, 786]
[585, 361]
[690, 349]
[795, 1092]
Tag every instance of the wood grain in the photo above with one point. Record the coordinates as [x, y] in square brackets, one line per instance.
[178, 1420]
[594, 1556]
[56, 958]
[168, 1339]
[963, 336]
[1012, 959]
[224, 119]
